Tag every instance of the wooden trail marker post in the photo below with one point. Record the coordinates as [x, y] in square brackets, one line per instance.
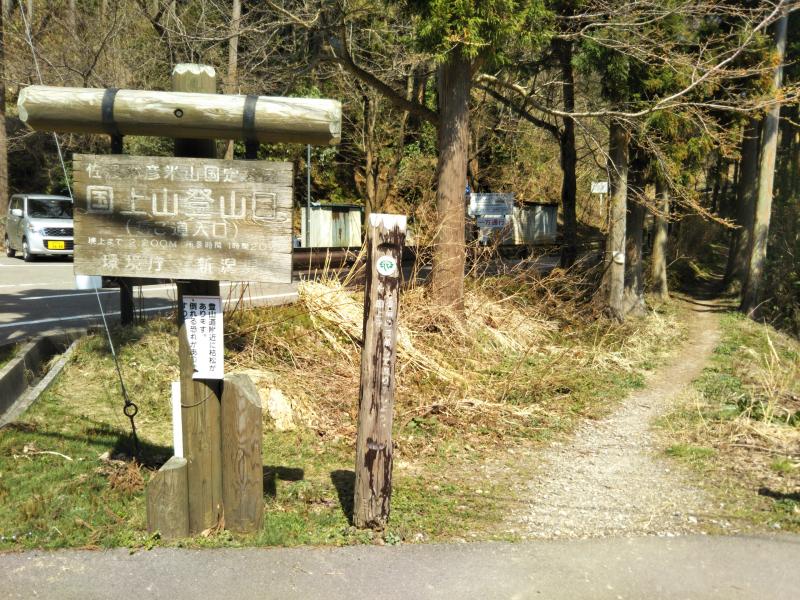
[196, 220]
[373, 484]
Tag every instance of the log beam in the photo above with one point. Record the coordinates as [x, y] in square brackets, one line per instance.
[181, 115]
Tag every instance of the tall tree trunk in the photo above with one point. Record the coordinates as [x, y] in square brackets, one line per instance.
[370, 169]
[447, 276]
[786, 134]
[232, 80]
[659, 257]
[419, 86]
[728, 197]
[473, 164]
[3, 139]
[569, 157]
[738, 253]
[634, 228]
[720, 177]
[614, 276]
[794, 169]
[769, 144]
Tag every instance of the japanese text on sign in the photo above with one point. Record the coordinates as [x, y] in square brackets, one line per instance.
[183, 218]
[202, 317]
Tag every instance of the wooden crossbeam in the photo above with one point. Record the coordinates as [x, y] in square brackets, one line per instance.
[181, 115]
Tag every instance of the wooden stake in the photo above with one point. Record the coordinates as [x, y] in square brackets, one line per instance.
[373, 485]
[168, 500]
[200, 400]
[242, 467]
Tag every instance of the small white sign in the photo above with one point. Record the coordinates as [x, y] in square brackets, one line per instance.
[492, 222]
[387, 266]
[600, 187]
[202, 316]
[490, 204]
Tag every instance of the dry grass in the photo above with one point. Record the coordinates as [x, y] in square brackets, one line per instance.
[528, 356]
[529, 359]
[742, 420]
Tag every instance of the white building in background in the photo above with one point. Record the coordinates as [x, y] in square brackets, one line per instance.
[332, 226]
[518, 223]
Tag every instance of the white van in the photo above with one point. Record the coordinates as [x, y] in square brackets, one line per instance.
[39, 225]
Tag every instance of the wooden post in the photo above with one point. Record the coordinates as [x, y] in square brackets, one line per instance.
[168, 500]
[373, 485]
[242, 468]
[126, 305]
[200, 400]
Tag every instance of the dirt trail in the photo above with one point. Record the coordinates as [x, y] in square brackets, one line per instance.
[609, 478]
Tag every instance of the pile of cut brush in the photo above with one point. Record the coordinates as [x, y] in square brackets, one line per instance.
[520, 359]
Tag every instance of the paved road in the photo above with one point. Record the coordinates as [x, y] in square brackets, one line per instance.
[41, 297]
[696, 567]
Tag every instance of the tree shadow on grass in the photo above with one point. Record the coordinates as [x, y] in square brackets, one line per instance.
[149, 456]
[272, 473]
[345, 484]
[119, 443]
[775, 495]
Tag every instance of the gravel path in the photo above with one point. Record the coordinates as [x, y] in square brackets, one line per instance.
[609, 480]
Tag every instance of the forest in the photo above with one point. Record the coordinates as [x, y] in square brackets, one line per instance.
[687, 108]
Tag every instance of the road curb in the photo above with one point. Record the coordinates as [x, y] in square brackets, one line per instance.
[16, 377]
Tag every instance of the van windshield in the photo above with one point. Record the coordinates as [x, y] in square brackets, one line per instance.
[49, 209]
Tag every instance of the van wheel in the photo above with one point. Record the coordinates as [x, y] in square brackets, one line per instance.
[10, 252]
[26, 252]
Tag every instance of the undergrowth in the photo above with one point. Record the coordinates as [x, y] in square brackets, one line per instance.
[528, 360]
[7, 352]
[740, 426]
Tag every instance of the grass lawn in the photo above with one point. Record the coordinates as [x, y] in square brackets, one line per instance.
[739, 427]
[471, 395]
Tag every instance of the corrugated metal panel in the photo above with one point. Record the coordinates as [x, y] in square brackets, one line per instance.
[332, 226]
[534, 224]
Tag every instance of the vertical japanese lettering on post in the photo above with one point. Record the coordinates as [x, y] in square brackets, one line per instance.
[202, 317]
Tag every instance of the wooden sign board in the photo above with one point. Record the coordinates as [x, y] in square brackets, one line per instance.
[183, 218]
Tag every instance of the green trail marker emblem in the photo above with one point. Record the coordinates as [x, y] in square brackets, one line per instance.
[387, 266]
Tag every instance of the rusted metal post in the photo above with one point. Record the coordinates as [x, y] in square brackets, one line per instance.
[373, 486]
